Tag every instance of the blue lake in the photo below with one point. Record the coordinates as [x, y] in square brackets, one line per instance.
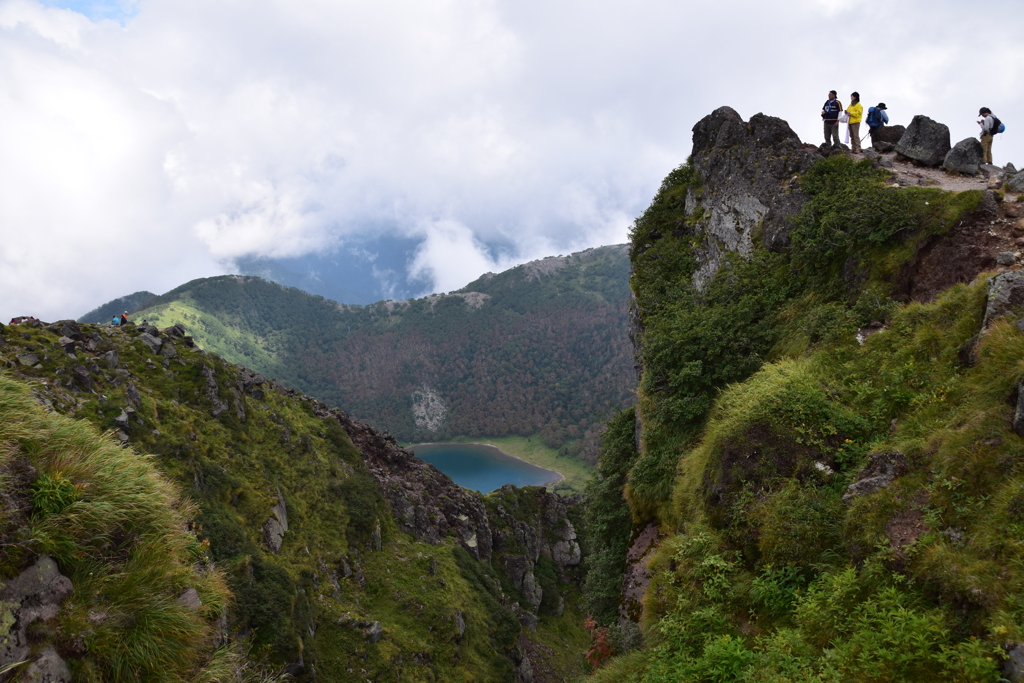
[481, 467]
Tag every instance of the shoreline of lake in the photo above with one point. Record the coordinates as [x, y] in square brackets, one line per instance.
[558, 475]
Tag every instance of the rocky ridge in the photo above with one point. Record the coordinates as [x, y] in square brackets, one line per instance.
[74, 365]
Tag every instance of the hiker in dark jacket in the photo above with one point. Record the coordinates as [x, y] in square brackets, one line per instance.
[830, 116]
[877, 118]
[124, 318]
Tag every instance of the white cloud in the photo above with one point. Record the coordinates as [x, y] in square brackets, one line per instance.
[195, 132]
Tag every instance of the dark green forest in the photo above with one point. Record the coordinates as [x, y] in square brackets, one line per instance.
[541, 348]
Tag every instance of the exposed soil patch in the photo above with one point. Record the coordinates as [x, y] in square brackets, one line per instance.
[972, 246]
[904, 528]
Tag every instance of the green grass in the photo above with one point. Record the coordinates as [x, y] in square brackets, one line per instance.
[118, 530]
[531, 449]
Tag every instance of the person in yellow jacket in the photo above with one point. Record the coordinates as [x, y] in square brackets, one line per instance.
[856, 112]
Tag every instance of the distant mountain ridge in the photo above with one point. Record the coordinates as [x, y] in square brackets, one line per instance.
[103, 314]
[541, 347]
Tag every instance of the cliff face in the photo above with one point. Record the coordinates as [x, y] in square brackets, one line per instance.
[746, 172]
[342, 553]
[828, 448]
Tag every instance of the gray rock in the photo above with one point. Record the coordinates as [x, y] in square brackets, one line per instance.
[1013, 667]
[527, 620]
[1010, 168]
[33, 595]
[991, 170]
[154, 343]
[1016, 182]
[886, 137]
[886, 162]
[374, 632]
[112, 358]
[1005, 295]
[190, 598]
[965, 157]
[746, 162]
[871, 154]
[82, 378]
[168, 350]
[1018, 415]
[48, 667]
[1006, 258]
[520, 573]
[274, 528]
[177, 331]
[460, 625]
[122, 419]
[925, 141]
[881, 469]
[28, 359]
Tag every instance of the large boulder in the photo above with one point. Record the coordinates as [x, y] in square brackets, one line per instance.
[926, 141]
[746, 163]
[1005, 296]
[1016, 182]
[886, 137]
[965, 157]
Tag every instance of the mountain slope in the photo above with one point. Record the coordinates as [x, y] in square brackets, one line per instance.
[103, 314]
[823, 476]
[539, 348]
[315, 545]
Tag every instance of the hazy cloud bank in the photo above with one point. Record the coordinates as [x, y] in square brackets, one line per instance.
[146, 143]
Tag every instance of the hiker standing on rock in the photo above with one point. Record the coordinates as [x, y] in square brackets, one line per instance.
[124, 318]
[877, 118]
[830, 115]
[989, 127]
[856, 112]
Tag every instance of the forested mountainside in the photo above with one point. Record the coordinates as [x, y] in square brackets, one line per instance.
[540, 348]
[168, 516]
[105, 313]
[823, 478]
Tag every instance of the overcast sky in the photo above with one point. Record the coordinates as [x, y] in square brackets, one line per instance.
[145, 143]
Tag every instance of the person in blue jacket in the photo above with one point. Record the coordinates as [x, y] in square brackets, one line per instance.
[876, 119]
[830, 115]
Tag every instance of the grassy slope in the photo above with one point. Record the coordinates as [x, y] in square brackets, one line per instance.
[233, 469]
[116, 527]
[765, 573]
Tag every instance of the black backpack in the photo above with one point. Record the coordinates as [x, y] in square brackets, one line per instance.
[997, 125]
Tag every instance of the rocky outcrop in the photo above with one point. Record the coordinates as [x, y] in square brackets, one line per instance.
[965, 157]
[1005, 296]
[926, 141]
[750, 166]
[886, 137]
[1016, 182]
[34, 595]
[276, 526]
[880, 471]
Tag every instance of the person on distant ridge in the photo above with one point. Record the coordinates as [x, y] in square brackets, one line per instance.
[989, 127]
[856, 112]
[876, 119]
[830, 115]
[124, 318]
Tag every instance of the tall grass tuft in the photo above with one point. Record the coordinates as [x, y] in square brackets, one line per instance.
[119, 530]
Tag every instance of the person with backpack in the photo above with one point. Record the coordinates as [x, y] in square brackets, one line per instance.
[877, 118]
[124, 318]
[856, 112]
[990, 127]
[830, 116]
